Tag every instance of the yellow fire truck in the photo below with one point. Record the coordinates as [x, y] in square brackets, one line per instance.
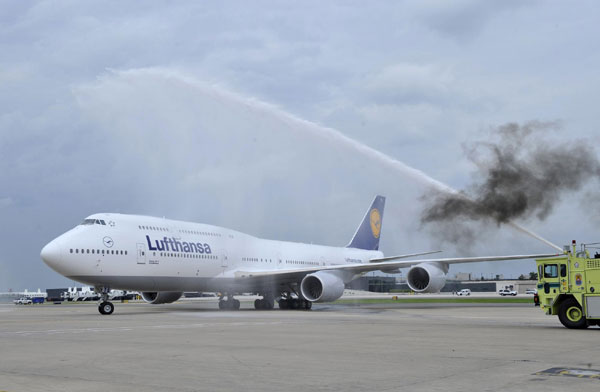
[569, 286]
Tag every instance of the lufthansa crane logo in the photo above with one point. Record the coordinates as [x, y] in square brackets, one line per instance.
[375, 219]
[108, 242]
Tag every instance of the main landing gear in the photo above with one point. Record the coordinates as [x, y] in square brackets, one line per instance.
[105, 306]
[229, 304]
[266, 303]
[295, 304]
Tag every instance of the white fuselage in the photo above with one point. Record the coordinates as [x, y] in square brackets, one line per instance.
[141, 253]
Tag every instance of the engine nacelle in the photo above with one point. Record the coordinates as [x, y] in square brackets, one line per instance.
[161, 297]
[426, 278]
[322, 286]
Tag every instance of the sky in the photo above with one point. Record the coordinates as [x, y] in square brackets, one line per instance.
[252, 117]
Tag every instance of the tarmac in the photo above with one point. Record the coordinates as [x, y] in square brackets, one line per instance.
[192, 346]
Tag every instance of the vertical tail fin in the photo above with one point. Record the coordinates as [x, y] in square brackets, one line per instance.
[367, 234]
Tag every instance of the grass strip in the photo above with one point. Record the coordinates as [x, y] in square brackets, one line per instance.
[435, 300]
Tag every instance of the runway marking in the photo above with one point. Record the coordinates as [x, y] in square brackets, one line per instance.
[570, 372]
[136, 328]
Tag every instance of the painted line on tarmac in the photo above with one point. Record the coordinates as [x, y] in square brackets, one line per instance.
[136, 328]
[570, 372]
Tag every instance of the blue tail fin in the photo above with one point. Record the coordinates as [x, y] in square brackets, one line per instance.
[367, 234]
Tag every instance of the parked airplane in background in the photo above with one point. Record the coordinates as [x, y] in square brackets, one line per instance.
[24, 294]
[162, 258]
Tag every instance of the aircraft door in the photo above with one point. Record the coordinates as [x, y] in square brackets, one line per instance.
[224, 259]
[141, 254]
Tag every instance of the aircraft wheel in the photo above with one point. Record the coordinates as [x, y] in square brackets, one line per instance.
[106, 308]
[222, 304]
[258, 304]
[283, 304]
[235, 304]
[571, 315]
[294, 303]
[307, 305]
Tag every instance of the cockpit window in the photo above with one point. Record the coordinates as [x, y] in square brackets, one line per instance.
[93, 222]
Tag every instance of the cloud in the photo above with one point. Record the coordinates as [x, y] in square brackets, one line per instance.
[410, 83]
[5, 202]
[407, 78]
[464, 19]
[205, 152]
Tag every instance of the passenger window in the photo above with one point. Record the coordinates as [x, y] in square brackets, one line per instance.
[550, 271]
[76, 250]
[71, 250]
[563, 270]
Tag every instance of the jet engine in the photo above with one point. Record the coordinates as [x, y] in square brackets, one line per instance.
[426, 278]
[161, 297]
[322, 286]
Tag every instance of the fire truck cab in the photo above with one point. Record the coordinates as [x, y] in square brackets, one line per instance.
[569, 287]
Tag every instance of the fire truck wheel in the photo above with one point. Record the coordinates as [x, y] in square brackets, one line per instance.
[571, 315]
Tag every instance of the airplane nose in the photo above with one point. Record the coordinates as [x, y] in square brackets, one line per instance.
[51, 253]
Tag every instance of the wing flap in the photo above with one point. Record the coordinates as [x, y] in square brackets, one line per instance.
[374, 266]
[391, 258]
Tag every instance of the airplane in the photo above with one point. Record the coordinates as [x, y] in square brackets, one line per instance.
[162, 258]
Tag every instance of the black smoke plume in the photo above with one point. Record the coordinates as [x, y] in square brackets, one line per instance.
[521, 174]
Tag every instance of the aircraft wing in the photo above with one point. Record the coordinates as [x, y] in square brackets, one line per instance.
[358, 268]
[390, 258]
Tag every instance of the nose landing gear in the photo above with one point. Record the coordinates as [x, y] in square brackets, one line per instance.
[105, 307]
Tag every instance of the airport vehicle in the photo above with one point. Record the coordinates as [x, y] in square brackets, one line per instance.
[505, 292]
[530, 291]
[162, 258]
[569, 287]
[23, 301]
[463, 292]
